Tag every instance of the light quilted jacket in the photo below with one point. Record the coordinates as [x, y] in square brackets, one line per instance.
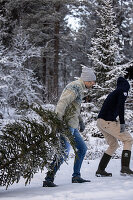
[71, 97]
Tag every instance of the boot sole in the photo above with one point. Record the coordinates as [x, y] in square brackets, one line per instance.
[81, 182]
[125, 174]
[49, 186]
[99, 175]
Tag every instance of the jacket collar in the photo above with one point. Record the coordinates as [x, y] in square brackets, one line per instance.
[82, 83]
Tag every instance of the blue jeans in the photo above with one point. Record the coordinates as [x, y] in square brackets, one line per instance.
[81, 151]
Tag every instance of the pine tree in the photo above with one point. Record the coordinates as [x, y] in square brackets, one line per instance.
[106, 55]
[18, 82]
[29, 144]
[4, 24]
[126, 28]
[22, 52]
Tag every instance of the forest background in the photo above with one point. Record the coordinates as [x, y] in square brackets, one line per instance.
[45, 43]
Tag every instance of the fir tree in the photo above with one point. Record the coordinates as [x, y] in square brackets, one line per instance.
[18, 81]
[28, 145]
[126, 28]
[106, 55]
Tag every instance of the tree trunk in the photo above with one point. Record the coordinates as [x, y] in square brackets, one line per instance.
[44, 70]
[56, 50]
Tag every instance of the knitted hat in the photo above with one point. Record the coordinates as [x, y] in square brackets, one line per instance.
[87, 74]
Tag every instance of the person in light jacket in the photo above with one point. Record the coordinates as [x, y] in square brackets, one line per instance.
[114, 130]
[72, 95]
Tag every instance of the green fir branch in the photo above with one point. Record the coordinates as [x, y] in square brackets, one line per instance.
[28, 145]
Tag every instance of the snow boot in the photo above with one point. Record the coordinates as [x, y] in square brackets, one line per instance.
[102, 165]
[102, 173]
[125, 161]
[49, 184]
[78, 179]
[126, 171]
[49, 179]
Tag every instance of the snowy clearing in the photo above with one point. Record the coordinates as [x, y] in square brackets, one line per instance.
[109, 188]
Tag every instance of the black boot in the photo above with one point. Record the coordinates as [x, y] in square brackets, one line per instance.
[78, 179]
[49, 179]
[49, 183]
[125, 161]
[102, 165]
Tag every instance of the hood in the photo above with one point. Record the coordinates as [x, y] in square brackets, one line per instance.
[123, 84]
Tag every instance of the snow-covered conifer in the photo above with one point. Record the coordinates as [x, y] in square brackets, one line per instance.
[18, 81]
[106, 56]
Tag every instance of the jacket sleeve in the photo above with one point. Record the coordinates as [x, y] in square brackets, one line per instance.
[66, 99]
[80, 118]
[121, 105]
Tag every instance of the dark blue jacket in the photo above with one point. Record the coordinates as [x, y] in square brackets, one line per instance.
[113, 105]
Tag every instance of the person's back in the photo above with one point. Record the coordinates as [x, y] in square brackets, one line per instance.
[113, 105]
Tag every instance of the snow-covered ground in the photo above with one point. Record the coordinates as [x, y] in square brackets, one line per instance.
[108, 188]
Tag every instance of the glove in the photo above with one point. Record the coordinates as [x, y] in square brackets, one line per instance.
[82, 126]
[122, 128]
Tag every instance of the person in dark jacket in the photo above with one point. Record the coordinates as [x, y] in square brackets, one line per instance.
[114, 130]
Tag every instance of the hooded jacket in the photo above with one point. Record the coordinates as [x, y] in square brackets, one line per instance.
[113, 105]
